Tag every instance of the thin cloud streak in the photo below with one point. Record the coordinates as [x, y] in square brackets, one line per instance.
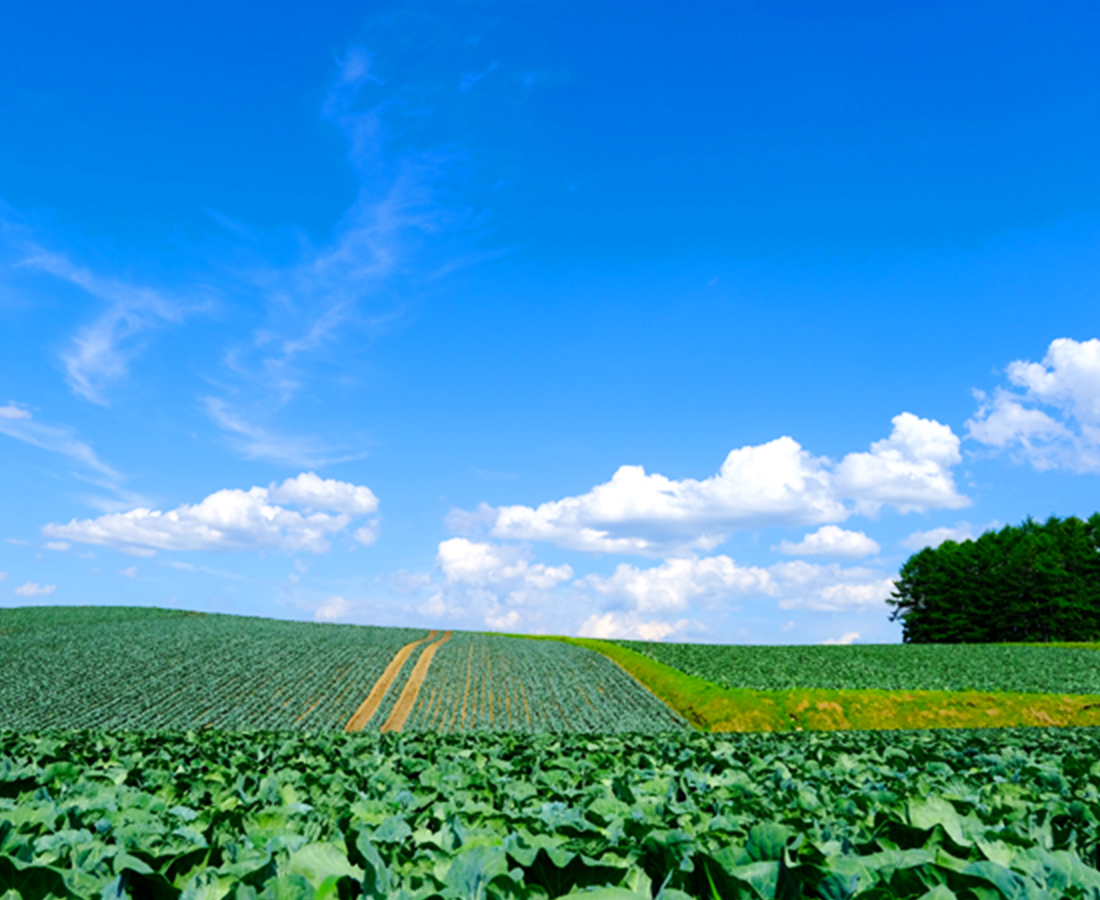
[255, 442]
[326, 297]
[100, 353]
[18, 422]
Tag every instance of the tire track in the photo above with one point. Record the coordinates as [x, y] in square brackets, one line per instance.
[370, 706]
[411, 691]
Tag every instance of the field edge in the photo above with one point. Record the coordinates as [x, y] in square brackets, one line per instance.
[711, 708]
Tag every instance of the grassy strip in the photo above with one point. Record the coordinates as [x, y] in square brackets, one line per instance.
[712, 708]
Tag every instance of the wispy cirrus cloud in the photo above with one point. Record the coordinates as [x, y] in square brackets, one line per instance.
[18, 422]
[344, 291]
[252, 441]
[99, 354]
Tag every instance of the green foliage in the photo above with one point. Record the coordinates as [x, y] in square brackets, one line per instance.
[894, 667]
[1031, 582]
[132, 668]
[112, 667]
[487, 682]
[272, 815]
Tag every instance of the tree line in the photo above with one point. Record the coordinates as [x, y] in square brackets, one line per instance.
[1029, 582]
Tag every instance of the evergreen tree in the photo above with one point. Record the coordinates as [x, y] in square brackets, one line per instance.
[1029, 582]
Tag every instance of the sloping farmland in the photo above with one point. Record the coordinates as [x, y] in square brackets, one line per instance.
[132, 668]
[486, 682]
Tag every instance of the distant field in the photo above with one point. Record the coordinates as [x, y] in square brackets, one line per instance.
[1028, 669]
[120, 668]
[139, 668]
[484, 682]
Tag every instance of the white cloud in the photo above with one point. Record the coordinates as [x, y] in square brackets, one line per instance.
[829, 540]
[400, 227]
[910, 470]
[777, 483]
[100, 353]
[716, 581]
[232, 520]
[253, 441]
[506, 621]
[918, 540]
[410, 582]
[848, 637]
[18, 422]
[131, 572]
[1050, 416]
[830, 588]
[628, 626]
[472, 78]
[463, 561]
[676, 584]
[313, 492]
[368, 534]
[31, 589]
[59, 546]
[489, 580]
[334, 609]
[3, 575]
[18, 542]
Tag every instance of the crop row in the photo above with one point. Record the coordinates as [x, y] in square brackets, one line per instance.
[480, 682]
[480, 817]
[155, 670]
[897, 667]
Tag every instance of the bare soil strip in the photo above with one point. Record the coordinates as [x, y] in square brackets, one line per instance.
[370, 706]
[407, 700]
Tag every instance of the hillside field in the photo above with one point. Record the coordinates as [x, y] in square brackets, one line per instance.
[152, 753]
[141, 668]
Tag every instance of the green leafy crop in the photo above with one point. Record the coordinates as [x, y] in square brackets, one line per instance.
[898, 667]
[481, 817]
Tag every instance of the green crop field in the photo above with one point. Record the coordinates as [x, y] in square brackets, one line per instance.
[933, 815]
[108, 667]
[481, 682]
[133, 668]
[1032, 669]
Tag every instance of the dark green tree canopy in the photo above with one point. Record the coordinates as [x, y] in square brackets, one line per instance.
[1028, 582]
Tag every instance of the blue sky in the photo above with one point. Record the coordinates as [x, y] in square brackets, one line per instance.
[572, 318]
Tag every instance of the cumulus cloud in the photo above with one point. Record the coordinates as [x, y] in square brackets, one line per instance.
[1049, 416]
[463, 561]
[777, 483]
[677, 584]
[910, 470]
[233, 519]
[130, 572]
[59, 546]
[488, 580]
[830, 588]
[829, 540]
[313, 492]
[32, 589]
[628, 626]
[918, 540]
[333, 610]
[848, 637]
[716, 581]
